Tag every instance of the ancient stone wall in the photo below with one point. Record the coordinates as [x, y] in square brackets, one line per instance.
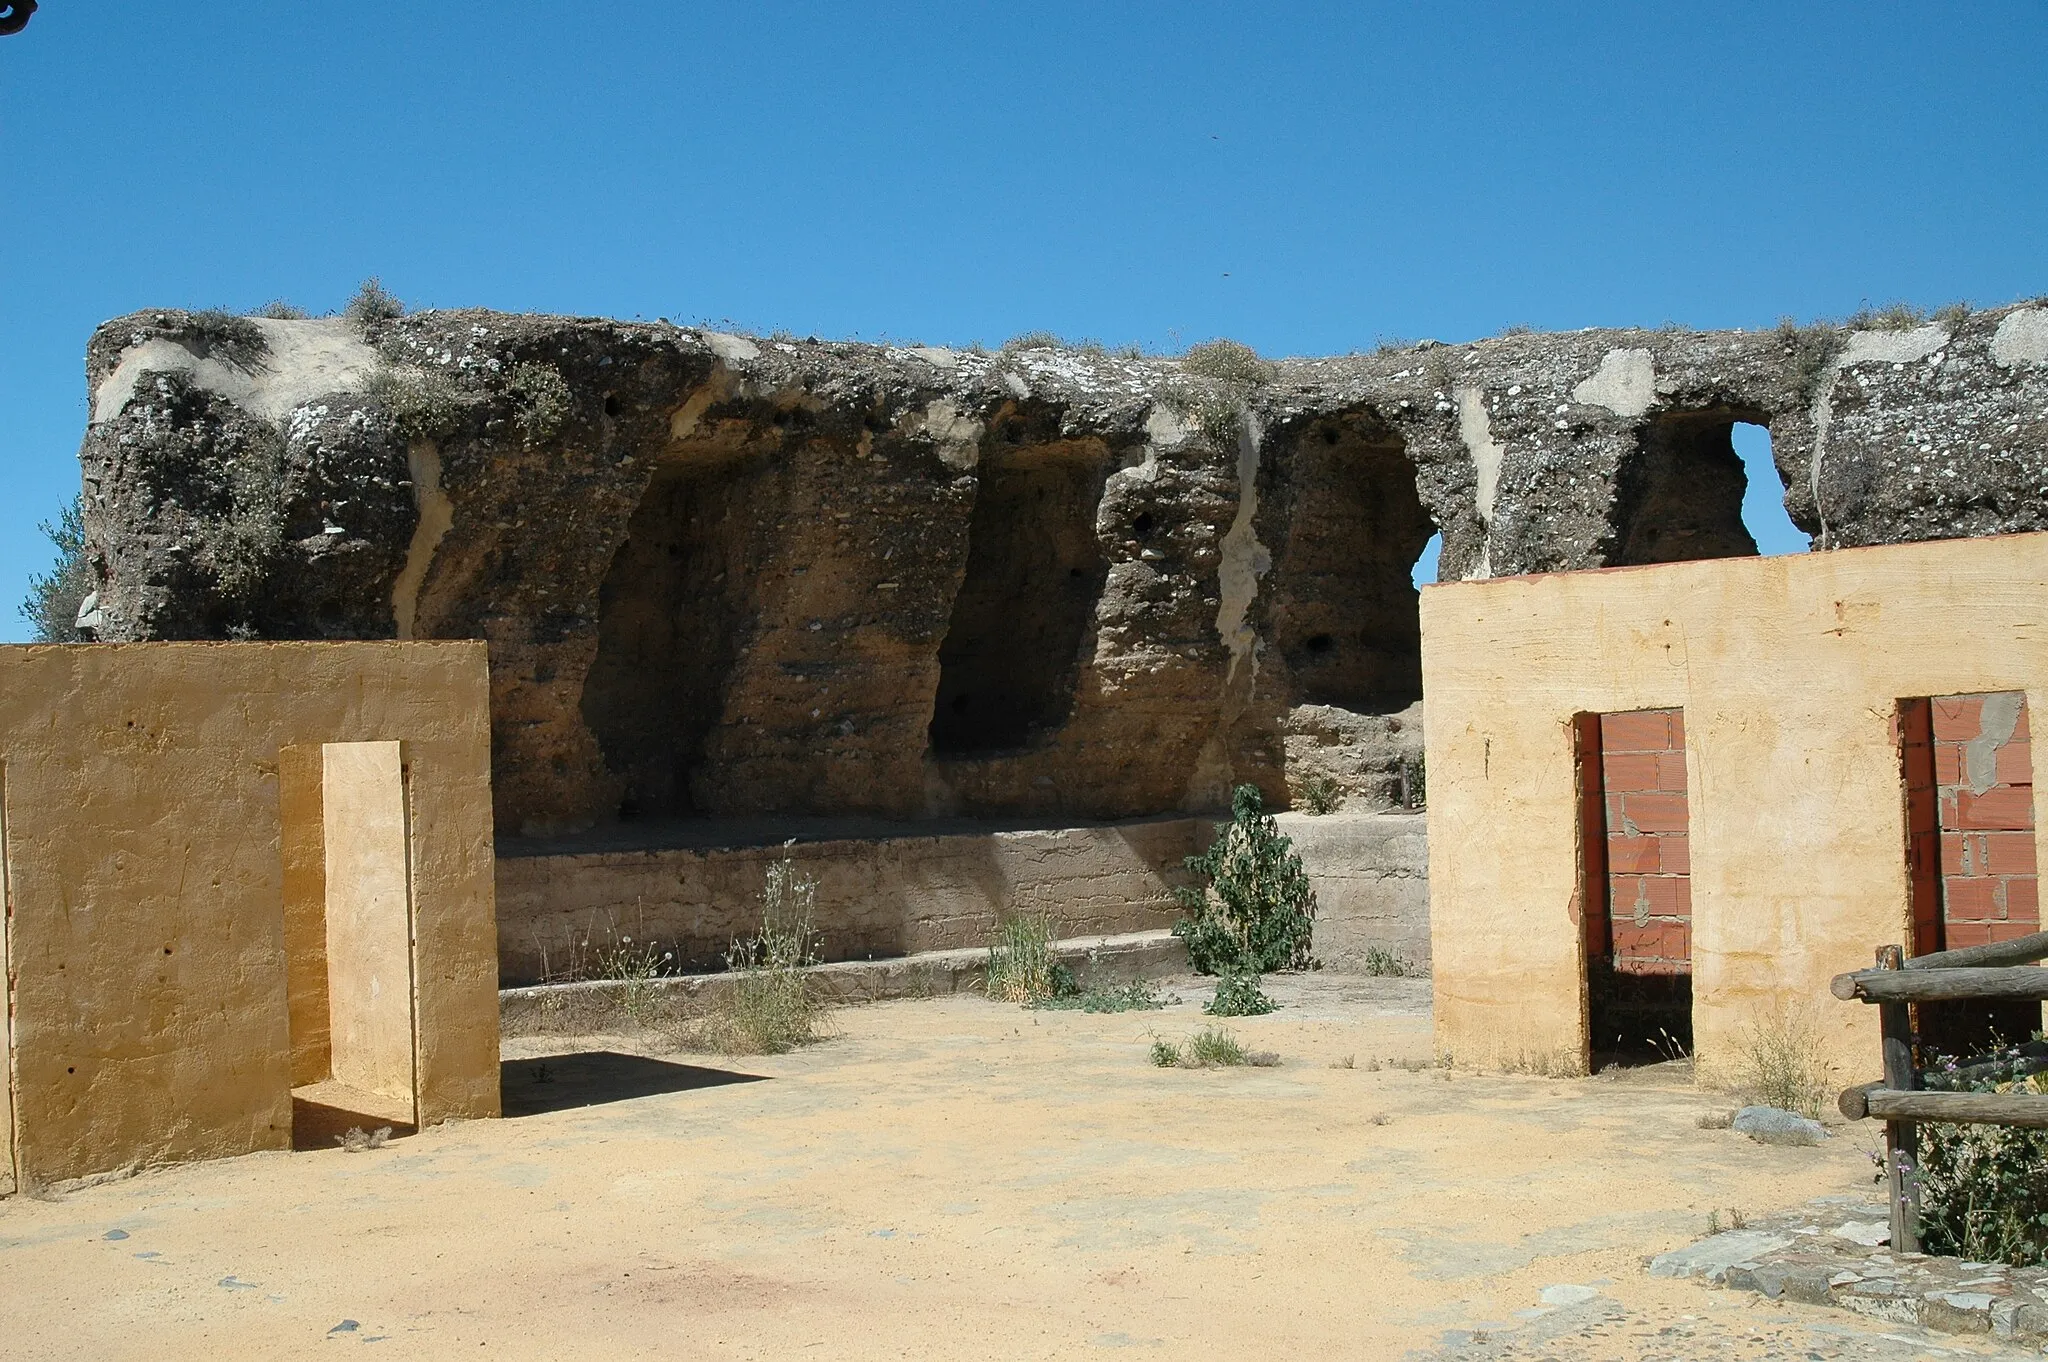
[725, 576]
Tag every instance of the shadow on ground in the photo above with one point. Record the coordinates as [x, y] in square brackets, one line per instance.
[589, 1078]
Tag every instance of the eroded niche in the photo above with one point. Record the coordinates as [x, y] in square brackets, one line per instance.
[1020, 623]
[1679, 493]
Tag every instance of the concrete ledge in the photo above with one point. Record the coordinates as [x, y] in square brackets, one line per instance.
[928, 974]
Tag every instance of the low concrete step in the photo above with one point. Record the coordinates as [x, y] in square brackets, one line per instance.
[927, 974]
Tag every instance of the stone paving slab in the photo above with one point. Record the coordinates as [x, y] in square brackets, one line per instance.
[1836, 1251]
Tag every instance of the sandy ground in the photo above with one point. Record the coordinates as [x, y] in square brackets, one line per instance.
[956, 1178]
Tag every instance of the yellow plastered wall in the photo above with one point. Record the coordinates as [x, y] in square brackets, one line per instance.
[1789, 671]
[147, 866]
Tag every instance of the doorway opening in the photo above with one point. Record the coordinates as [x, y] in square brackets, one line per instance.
[1636, 885]
[1966, 762]
[1020, 625]
[348, 940]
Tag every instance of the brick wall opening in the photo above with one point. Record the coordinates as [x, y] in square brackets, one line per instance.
[1967, 767]
[1636, 892]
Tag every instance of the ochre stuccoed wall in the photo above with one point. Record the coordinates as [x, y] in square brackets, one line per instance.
[146, 882]
[1789, 671]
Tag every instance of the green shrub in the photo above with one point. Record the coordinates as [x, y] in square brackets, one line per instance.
[1239, 995]
[1212, 1046]
[1255, 912]
[54, 597]
[1137, 996]
[1165, 1053]
[1984, 1189]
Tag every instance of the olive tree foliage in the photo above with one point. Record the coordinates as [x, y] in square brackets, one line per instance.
[54, 596]
[1255, 911]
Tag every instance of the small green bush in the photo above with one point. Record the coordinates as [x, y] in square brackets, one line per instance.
[1137, 996]
[1984, 1189]
[1165, 1053]
[1213, 1046]
[1239, 995]
[1255, 911]
[542, 402]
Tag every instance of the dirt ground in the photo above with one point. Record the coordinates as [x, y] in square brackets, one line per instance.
[955, 1178]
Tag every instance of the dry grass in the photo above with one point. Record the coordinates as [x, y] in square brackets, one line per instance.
[1779, 1061]
[1021, 967]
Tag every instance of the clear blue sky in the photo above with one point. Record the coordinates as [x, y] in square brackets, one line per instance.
[1304, 177]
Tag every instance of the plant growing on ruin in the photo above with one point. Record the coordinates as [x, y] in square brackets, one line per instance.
[425, 404]
[278, 310]
[771, 1007]
[234, 341]
[1890, 317]
[1021, 964]
[1809, 350]
[1984, 1189]
[54, 596]
[1779, 1059]
[1384, 964]
[1228, 361]
[636, 964]
[1254, 911]
[1239, 995]
[372, 305]
[1321, 795]
[541, 400]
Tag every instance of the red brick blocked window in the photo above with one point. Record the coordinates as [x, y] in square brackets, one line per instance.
[1649, 865]
[1984, 789]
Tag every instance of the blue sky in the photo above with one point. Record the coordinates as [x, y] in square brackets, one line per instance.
[1307, 178]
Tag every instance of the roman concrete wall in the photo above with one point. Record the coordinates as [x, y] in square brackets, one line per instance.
[725, 576]
[1789, 671]
[1370, 872]
[148, 873]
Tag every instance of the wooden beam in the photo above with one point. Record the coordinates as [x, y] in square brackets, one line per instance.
[2021, 982]
[1958, 1108]
[1854, 1103]
[2023, 951]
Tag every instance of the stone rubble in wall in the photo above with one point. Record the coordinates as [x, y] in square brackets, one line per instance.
[1835, 1251]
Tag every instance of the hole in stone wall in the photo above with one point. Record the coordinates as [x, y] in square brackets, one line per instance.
[668, 621]
[1763, 502]
[1021, 619]
[1343, 583]
[1680, 494]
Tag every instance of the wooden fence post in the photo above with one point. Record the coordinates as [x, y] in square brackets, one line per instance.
[1901, 1138]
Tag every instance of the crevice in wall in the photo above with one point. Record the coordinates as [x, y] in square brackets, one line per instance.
[1343, 610]
[1678, 494]
[671, 612]
[1021, 620]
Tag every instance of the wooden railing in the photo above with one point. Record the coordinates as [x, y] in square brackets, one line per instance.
[2003, 970]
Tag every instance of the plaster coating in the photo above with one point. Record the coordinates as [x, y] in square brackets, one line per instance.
[1789, 671]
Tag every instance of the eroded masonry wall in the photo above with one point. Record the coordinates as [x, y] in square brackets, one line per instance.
[726, 577]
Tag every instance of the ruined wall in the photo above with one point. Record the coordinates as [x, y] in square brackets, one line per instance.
[1790, 672]
[727, 576]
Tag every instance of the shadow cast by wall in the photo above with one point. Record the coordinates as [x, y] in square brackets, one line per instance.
[531, 1087]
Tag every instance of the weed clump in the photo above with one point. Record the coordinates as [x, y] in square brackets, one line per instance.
[542, 403]
[1229, 362]
[1384, 964]
[1021, 967]
[1210, 1048]
[1811, 349]
[1139, 995]
[1780, 1064]
[234, 341]
[425, 404]
[1890, 317]
[372, 305]
[1321, 795]
[771, 1009]
[278, 310]
[1256, 910]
